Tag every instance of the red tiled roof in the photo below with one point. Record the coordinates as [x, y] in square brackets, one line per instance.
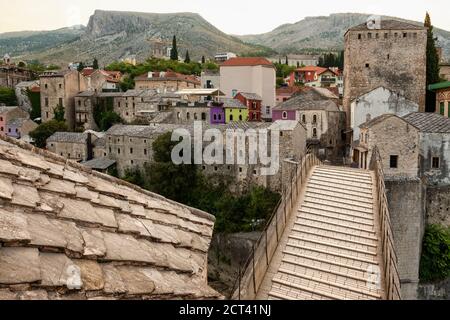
[288, 90]
[87, 72]
[319, 70]
[36, 89]
[244, 61]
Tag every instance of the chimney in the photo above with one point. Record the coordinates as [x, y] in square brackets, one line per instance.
[90, 147]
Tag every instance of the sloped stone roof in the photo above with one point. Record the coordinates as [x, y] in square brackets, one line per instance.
[310, 99]
[389, 25]
[67, 232]
[73, 137]
[429, 122]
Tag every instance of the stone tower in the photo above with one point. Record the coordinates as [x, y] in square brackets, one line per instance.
[389, 53]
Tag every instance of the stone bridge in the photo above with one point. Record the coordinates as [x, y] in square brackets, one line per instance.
[330, 238]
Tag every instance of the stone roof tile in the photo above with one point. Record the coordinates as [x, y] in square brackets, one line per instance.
[69, 225]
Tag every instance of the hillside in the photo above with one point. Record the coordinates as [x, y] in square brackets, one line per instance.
[28, 42]
[112, 35]
[326, 32]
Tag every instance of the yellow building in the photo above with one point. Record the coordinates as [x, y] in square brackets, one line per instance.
[234, 110]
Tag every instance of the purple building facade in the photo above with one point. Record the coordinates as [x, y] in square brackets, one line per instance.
[217, 113]
[280, 114]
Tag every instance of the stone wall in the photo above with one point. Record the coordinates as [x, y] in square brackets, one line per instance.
[435, 145]
[438, 205]
[407, 209]
[396, 62]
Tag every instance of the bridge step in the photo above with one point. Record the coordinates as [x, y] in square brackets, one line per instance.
[339, 202]
[350, 175]
[321, 227]
[356, 191]
[347, 178]
[364, 197]
[339, 196]
[361, 187]
[338, 216]
[331, 252]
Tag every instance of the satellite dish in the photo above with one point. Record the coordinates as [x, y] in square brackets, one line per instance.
[374, 23]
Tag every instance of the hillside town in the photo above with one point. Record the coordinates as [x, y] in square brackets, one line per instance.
[81, 144]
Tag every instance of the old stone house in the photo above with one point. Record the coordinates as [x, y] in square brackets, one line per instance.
[392, 55]
[102, 80]
[8, 114]
[60, 89]
[11, 75]
[166, 81]
[187, 113]
[317, 110]
[375, 103]
[76, 146]
[73, 233]
[20, 127]
[131, 146]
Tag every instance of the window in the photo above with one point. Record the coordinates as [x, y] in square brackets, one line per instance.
[435, 163]
[195, 116]
[386, 35]
[314, 133]
[46, 86]
[359, 36]
[369, 35]
[240, 117]
[132, 162]
[231, 117]
[46, 102]
[405, 35]
[284, 115]
[367, 65]
[314, 119]
[60, 86]
[131, 150]
[393, 162]
[188, 116]
[240, 170]
[145, 152]
[442, 108]
[79, 103]
[303, 118]
[267, 110]
[215, 117]
[203, 116]
[9, 130]
[388, 56]
[118, 151]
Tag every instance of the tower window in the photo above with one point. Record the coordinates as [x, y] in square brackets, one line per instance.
[393, 162]
[367, 65]
[435, 163]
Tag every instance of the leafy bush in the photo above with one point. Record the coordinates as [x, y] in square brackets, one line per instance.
[8, 96]
[45, 130]
[435, 262]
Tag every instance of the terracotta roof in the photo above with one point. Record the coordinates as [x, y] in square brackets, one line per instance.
[87, 72]
[244, 61]
[312, 69]
[287, 91]
[67, 232]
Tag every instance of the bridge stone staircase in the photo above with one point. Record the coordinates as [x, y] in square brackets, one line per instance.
[331, 250]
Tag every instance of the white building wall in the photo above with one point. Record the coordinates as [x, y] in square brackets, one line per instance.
[376, 103]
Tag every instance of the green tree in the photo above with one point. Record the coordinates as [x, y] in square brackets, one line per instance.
[174, 51]
[35, 99]
[127, 84]
[59, 113]
[8, 96]
[435, 261]
[108, 119]
[432, 65]
[45, 130]
[80, 67]
[188, 58]
[95, 64]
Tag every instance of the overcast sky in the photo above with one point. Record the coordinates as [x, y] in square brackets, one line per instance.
[231, 16]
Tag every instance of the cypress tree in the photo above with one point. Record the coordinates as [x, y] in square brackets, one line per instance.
[95, 64]
[432, 65]
[287, 61]
[188, 58]
[174, 51]
[203, 60]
